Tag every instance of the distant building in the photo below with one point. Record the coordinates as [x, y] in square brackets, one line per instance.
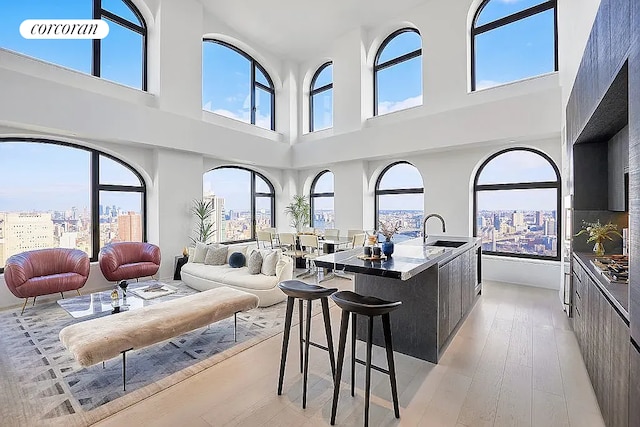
[25, 232]
[539, 218]
[130, 227]
[69, 240]
[550, 227]
[218, 217]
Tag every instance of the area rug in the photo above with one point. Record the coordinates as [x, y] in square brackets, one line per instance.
[41, 383]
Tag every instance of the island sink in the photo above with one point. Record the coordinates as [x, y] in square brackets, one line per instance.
[446, 243]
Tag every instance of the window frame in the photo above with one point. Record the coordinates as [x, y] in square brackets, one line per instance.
[96, 187]
[509, 19]
[254, 194]
[391, 62]
[313, 194]
[540, 185]
[393, 191]
[313, 91]
[254, 82]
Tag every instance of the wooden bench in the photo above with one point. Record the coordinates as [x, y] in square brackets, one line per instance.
[97, 340]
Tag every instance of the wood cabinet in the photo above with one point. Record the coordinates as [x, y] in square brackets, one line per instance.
[443, 304]
[618, 159]
[455, 292]
[634, 386]
[589, 169]
[603, 336]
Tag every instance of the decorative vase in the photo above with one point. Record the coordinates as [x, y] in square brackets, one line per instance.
[387, 248]
[598, 248]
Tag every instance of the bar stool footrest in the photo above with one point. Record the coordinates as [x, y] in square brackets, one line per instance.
[314, 344]
[374, 367]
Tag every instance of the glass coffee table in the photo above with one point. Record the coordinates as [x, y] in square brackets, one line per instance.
[99, 303]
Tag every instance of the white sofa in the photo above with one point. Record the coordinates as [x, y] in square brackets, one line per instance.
[203, 277]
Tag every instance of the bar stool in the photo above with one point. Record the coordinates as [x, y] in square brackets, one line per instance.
[295, 289]
[354, 304]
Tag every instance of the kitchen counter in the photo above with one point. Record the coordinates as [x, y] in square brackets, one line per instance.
[409, 258]
[616, 293]
[437, 286]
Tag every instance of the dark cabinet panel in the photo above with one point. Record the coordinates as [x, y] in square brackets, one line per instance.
[467, 285]
[619, 410]
[604, 68]
[620, 22]
[634, 179]
[455, 293]
[634, 386]
[590, 165]
[443, 304]
[603, 357]
[618, 159]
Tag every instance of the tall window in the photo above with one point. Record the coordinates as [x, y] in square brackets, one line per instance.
[513, 40]
[321, 98]
[120, 57]
[516, 202]
[66, 196]
[322, 213]
[397, 72]
[243, 201]
[235, 85]
[400, 198]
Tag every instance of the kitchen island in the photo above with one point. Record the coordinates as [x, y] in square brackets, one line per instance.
[437, 282]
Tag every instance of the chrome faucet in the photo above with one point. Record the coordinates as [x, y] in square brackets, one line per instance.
[424, 225]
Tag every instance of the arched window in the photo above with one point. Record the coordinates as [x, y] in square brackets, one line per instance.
[322, 213]
[321, 98]
[513, 40]
[63, 195]
[243, 201]
[400, 198]
[516, 204]
[235, 85]
[120, 57]
[397, 72]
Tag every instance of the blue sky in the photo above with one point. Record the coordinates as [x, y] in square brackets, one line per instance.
[509, 53]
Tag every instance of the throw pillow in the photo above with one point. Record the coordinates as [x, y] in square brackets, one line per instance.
[216, 255]
[236, 248]
[237, 260]
[269, 263]
[254, 263]
[200, 253]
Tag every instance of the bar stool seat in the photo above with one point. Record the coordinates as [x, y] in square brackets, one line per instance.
[355, 304]
[296, 289]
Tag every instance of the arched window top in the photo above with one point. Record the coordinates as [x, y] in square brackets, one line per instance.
[399, 43]
[397, 72]
[235, 85]
[323, 183]
[322, 77]
[513, 40]
[120, 57]
[517, 166]
[401, 175]
[114, 172]
[493, 10]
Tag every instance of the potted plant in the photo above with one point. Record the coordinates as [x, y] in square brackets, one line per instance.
[299, 210]
[203, 210]
[388, 229]
[598, 233]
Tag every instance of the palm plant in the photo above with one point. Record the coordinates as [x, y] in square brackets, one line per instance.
[299, 210]
[203, 210]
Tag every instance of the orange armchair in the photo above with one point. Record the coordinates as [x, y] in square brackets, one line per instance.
[129, 260]
[46, 271]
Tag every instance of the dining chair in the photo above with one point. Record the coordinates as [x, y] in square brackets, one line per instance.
[264, 237]
[332, 234]
[311, 247]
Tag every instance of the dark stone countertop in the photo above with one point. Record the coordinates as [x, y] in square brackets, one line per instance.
[409, 258]
[616, 293]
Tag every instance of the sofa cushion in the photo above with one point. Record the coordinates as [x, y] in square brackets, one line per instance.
[224, 274]
[237, 260]
[216, 255]
[269, 261]
[254, 262]
[200, 253]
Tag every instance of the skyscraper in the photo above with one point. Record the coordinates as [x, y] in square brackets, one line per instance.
[217, 218]
[26, 232]
[130, 227]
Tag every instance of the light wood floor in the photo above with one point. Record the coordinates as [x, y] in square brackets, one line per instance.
[514, 362]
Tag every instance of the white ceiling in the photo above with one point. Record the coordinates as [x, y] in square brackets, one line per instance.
[299, 29]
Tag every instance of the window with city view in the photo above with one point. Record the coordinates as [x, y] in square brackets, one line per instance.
[119, 57]
[48, 191]
[322, 213]
[235, 85]
[517, 200]
[397, 72]
[400, 198]
[321, 98]
[243, 202]
[512, 40]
